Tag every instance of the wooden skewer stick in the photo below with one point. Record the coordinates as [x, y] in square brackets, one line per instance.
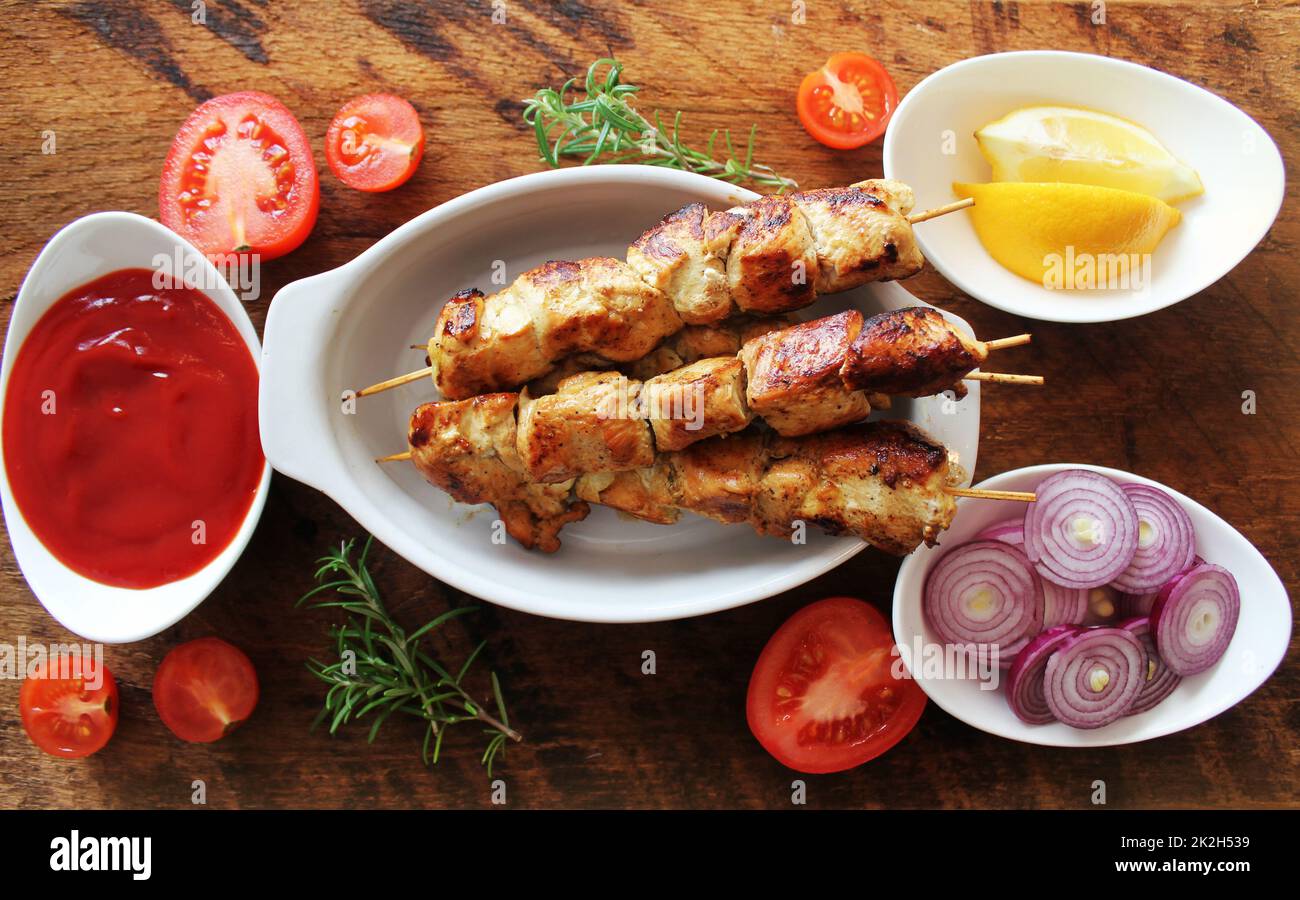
[984, 494]
[1003, 378]
[938, 211]
[396, 382]
[394, 457]
[1003, 343]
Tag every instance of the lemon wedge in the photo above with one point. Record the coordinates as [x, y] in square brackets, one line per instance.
[1081, 146]
[1071, 236]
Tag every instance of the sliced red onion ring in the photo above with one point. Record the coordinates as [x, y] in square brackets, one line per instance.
[1166, 542]
[1062, 605]
[1094, 676]
[1010, 532]
[1082, 531]
[1025, 680]
[984, 593]
[1159, 681]
[1134, 605]
[1194, 617]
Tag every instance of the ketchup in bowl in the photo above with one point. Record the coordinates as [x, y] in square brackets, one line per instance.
[130, 430]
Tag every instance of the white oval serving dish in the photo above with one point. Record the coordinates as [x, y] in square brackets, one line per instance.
[350, 327]
[1257, 648]
[930, 144]
[82, 251]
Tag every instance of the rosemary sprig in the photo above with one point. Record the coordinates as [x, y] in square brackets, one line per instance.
[604, 126]
[382, 670]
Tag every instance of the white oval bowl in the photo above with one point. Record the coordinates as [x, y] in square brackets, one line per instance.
[1238, 162]
[1257, 648]
[82, 251]
[352, 326]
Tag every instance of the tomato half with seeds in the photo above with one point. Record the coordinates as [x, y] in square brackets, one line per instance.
[375, 142]
[240, 178]
[847, 103]
[205, 689]
[68, 709]
[823, 696]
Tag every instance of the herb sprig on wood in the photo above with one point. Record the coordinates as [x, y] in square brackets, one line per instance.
[381, 669]
[604, 126]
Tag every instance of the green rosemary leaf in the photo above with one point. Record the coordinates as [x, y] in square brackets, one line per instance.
[603, 124]
[460, 676]
[381, 670]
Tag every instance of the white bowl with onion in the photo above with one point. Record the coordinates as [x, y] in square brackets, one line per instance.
[1250, 651]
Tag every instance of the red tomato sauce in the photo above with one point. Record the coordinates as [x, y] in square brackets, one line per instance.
[130, 430]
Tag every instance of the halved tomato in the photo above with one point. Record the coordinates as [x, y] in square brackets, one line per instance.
[375, 142]
[205, 689]
[69, 710]
[240, 178]
[823, 696]
[847, 102]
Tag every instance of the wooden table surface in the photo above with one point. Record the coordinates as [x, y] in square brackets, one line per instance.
[1160, 395]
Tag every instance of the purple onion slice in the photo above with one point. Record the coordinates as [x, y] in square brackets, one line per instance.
[1166, 542]
[1082, 531]
[1134, 605]
[984, 593]
[1094, 676]
[1194, 618]
[1160, 680]
[1025, 680]
[1063, 605]
[1011, 531]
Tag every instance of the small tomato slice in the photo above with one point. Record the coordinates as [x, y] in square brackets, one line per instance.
[240, 178]
[375, 142]
[205, 689]
[847, 102]
[68, 710]
[823, 696]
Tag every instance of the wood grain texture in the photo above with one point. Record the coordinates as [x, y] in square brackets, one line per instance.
[1159, 395]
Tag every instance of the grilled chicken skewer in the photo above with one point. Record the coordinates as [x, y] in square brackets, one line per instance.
[695, 267]
[801, 380]
[885, 482]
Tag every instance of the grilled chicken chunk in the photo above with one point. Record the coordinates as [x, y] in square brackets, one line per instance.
[772, 261]
[882, 481]
[861, 233]
[679, 257]
[695, 402]
[794, 376]
[592, 423]
[692, 344]
[467, 448]
[912, 352]
[596, 305]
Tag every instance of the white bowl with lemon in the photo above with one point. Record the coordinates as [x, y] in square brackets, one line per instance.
[1103, 189]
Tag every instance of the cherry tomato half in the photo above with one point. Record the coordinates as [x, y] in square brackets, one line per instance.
[205, 689]
[847, 102]
[72, 716]
[375, 142]
[823, 696]
[240, 178]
